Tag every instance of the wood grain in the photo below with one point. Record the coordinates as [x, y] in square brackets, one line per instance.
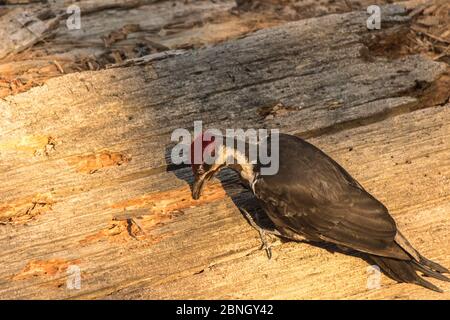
[85, 147]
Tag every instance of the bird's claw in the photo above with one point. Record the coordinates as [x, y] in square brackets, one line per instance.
[265, 245]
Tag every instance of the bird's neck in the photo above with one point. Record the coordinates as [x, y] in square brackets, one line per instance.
[238, 161]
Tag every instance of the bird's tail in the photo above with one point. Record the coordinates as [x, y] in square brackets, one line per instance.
[406, 270]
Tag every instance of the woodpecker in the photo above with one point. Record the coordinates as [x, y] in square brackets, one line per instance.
[312, 198]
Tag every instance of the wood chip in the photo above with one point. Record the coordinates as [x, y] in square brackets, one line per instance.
[429, 21]
[58, 66]
[432, 36]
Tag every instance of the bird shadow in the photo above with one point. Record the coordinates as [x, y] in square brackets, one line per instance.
[244, 199]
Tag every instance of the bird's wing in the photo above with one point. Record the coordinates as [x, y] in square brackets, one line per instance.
[313, 195]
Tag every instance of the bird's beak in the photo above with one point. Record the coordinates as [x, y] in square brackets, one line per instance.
[199, 183]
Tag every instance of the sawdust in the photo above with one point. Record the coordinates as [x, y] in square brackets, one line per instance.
[25, 210]
[91, 163]
[155, 209]
[44, 268]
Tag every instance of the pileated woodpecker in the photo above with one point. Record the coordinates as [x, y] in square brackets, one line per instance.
[313, 198]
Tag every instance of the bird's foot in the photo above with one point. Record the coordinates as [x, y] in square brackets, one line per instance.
[262, 232]
[265, 244]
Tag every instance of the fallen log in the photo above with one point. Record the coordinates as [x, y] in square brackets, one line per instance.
[83, 148]
[162, 24]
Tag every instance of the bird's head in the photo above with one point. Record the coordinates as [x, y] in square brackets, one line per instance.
[209, 154]
[202, 147]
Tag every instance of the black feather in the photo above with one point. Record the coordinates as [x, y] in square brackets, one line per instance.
[406, 271]
[313, 196]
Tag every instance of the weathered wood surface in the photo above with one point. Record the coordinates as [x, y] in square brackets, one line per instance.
[162, 25]
[85, 147]
[21, 29]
